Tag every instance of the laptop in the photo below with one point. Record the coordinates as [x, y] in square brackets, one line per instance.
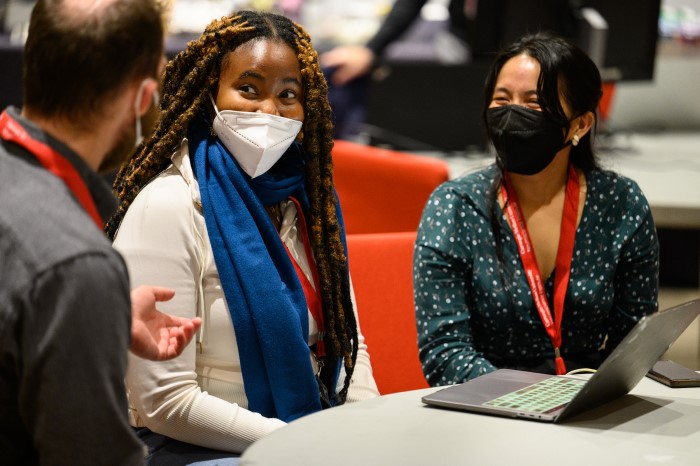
[517, 394]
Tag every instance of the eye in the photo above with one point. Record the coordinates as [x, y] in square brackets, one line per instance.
[500, 98]
[247, 89]
[288, 94]
[533, 103]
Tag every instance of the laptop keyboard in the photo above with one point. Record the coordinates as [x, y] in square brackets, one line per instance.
[542, 397]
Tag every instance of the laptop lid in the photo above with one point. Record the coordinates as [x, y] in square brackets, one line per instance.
[617, 375]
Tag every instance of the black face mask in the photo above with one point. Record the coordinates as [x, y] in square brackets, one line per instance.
[525, 139]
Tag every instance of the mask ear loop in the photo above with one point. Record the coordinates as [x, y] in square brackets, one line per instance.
[137, 109]
[216, 111]
[156, 98]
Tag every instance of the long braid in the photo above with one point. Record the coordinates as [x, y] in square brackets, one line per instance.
[341, 326]
[188, 80]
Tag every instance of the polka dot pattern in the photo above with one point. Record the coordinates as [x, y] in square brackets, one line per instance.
[474, 313]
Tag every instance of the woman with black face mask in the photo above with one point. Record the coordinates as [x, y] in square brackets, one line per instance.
[542, 261]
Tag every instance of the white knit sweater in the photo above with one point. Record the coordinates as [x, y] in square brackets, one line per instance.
[199, 397]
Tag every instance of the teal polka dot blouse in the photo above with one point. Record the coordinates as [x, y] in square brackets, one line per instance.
[475, 313]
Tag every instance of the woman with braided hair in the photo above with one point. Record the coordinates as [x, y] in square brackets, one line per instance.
[231, 203]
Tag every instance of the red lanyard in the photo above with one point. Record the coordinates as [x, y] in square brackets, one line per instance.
[311, 293]
[12, 131]
[565, 252]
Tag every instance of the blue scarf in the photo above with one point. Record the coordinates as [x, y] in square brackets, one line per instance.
[262, 290]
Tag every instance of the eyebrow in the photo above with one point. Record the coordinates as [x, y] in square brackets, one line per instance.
[251, 74]
[256, 75]
[508, 91]
[293, 81]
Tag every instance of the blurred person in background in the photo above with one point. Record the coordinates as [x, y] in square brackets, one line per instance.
[473, 33]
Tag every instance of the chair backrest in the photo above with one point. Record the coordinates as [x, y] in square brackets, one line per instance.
[382, 190]
[381, 271]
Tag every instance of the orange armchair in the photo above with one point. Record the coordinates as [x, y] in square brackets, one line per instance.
[382, 190]
[381, 269]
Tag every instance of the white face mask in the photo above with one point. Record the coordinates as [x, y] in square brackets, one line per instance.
[137, 109]
[256, 140]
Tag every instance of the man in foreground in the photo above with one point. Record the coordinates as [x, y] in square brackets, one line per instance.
[90, 73]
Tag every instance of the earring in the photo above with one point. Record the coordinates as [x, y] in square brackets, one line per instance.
[575, 140]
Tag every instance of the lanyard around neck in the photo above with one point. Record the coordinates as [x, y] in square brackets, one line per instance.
[12, 131]
[563, 261]
[311, 292]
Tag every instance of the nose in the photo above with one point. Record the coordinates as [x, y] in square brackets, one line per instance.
[268, 106]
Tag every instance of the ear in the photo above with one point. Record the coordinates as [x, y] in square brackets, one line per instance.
[148, 89]
[582, 125]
